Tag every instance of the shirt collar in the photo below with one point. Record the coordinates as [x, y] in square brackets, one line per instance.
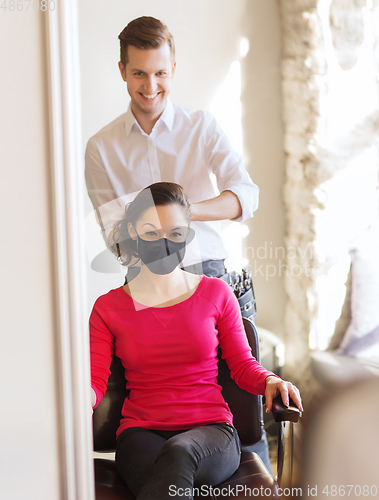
[167, 117]
[129, 121]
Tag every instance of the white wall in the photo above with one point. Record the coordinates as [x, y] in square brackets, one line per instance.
[265, 159]
[207, 35]
[29, 446]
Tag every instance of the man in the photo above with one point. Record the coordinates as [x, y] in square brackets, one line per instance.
[158, 141]
[155, 141]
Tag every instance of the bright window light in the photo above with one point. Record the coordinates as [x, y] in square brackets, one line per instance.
[244, 47]
[349, 199]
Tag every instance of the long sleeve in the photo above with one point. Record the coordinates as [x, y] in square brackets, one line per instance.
[108, 205]
[227, 165]
[101, 349]
[245, 370]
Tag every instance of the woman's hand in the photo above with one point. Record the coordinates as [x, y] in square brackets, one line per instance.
[275, 386]
[93, 399]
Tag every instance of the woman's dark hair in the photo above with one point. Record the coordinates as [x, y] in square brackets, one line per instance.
[158, 194]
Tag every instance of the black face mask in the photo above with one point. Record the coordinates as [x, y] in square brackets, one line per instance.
[161, 256]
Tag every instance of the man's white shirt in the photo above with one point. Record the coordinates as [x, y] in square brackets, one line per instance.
[185, 147]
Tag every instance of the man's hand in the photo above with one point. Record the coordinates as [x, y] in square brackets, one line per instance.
[275, 386]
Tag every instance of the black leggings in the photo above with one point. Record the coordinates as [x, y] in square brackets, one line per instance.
[163, 465]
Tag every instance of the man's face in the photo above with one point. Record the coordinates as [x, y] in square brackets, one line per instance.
[148, 75]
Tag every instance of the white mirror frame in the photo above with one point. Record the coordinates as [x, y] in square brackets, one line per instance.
[66, 156]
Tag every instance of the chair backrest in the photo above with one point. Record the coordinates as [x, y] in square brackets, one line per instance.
[246, 407]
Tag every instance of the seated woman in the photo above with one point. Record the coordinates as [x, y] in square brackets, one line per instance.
[166, 326]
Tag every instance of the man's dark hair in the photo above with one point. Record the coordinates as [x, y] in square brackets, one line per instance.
[144, 33]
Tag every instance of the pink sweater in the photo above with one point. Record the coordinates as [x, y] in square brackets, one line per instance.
[170, 356]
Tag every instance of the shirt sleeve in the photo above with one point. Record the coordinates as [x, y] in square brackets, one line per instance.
[101, 350]
[244, 368]
[227, 165]
[109, 208]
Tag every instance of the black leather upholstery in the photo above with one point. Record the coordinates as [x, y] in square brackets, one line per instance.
[248, 419]
[107, 416]
[245, 407]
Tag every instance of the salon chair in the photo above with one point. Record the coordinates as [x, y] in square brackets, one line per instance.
[248, 420]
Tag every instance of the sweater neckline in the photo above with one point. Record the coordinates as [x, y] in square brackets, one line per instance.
[144, 306]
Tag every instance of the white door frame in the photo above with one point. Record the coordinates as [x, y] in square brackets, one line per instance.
[66, 159]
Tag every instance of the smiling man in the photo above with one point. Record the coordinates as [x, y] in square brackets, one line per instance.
[156, 140]
[148, 74]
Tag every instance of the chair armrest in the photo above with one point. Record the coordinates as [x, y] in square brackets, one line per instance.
[283, 413]
[285, 416]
